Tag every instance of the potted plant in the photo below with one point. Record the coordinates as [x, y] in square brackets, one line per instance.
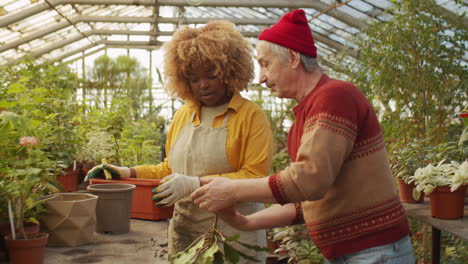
[61, 143]
[207, 249]
[404, 160]
[446, 185]
[27, 174]
[94, 146]
[46, 94]
[138, 143]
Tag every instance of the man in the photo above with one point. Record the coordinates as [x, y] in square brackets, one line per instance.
[339, 181]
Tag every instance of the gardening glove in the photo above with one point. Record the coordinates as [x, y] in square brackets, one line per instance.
[112, 171]
[173, 188]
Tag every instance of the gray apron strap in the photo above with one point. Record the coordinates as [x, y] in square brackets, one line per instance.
[226, 118]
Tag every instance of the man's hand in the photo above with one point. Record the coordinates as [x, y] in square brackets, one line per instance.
[174, 187]
[115, 171]
[216, 193]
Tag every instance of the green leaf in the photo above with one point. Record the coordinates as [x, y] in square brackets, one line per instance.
[6, 104]
[233, 238]
[188, 255]
[51, 187]
[207, 257]
[41, 90]
[218, 258]
[416, 194]
[16, 88]
[231, 253]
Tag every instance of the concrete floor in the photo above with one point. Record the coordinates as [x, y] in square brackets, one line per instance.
[146, 243]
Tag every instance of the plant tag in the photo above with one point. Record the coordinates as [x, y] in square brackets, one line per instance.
[12, 220]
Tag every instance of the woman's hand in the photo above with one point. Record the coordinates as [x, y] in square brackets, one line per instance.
[115, 171]
[231, 216]
[174, 187]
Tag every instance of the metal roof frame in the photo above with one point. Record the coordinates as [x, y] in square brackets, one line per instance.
[44, 28]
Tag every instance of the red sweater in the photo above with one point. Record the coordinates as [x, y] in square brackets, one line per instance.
[340, 172]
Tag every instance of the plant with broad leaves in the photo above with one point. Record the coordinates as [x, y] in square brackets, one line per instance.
[451, 174]
[26, 172]
[449, 171]
[407, 157]
[206, 249]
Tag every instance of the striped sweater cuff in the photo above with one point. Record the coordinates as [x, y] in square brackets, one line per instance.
[274, 182]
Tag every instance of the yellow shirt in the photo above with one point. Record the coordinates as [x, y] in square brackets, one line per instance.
[249, 140]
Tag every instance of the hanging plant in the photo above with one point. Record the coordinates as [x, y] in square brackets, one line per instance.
[206, 249]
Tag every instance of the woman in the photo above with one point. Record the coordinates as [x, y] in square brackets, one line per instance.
[216, 133]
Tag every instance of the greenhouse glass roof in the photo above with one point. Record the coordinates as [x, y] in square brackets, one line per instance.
[64, 30]
[60, 30]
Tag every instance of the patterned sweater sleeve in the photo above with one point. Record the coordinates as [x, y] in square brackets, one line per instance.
[329, 131]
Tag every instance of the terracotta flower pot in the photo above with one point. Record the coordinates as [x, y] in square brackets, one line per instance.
[142, 204]
[27, 251]
[29, 228]
[406, 192]
[69, 181]
[446, 204]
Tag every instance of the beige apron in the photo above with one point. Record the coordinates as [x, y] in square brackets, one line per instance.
[199, 151]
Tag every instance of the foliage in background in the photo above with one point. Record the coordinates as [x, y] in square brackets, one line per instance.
[296, 244]
[448, 151]
[406, 157]
[414, 69]
[279, 112]
[26, 172]
[122, 140]
[143, 142]
[122, 77]
[118, 108]
[76, 129]
[94, 146]
[44, 93]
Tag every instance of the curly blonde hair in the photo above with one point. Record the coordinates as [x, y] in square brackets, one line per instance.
[218, 44]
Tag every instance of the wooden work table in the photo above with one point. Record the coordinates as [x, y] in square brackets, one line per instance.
[458, 227]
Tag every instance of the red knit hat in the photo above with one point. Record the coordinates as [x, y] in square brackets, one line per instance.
[292, 31]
